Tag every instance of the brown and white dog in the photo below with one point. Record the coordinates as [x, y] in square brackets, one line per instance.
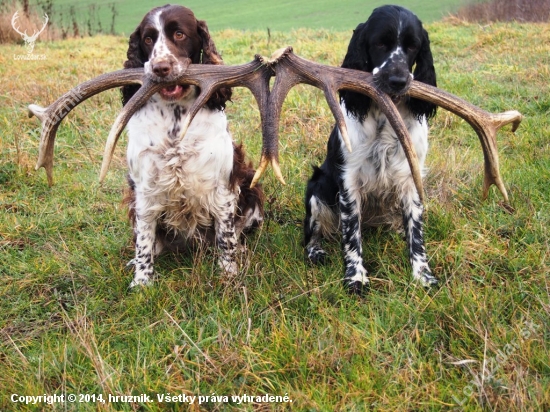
[191, 189]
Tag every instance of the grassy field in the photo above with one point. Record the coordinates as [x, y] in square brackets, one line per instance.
[251, 15]
[479, 342]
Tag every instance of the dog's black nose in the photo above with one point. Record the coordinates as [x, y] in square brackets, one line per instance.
[398, 82]
[162, 68]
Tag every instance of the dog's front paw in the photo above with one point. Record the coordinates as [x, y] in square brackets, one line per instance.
[229, 267]
[144, 274]
[316, 255]
[356, 281]
[140, 281]
[426, 278]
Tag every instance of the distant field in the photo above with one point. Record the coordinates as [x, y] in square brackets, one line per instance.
[252, 15]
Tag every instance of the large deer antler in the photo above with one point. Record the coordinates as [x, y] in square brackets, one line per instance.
[289, 70]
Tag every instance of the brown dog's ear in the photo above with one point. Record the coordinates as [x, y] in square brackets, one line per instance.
[136, 58]
[211, 56]
[209, 53]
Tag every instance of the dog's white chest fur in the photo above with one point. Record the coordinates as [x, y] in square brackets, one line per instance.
[186, 180]
[377, 162]
[377, 166]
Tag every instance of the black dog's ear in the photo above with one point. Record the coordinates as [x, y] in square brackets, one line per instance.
[211, 56]
[424, 72]
[136, 58]
[357, 58]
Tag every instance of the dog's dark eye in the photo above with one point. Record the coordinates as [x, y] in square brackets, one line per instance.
[380, 45]
[412, 48]
[148, 40]
[179, 35]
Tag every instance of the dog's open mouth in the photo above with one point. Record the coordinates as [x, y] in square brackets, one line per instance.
[175, 92]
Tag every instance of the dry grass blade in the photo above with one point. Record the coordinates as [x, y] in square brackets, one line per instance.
[205, 356]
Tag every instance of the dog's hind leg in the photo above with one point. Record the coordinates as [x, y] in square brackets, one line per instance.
[320, 202]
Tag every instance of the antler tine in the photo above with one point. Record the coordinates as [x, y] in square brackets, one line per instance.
[484, 123]
[13, 20]
[47, 18]
[148, 89]
[52, 115]
[332, 100]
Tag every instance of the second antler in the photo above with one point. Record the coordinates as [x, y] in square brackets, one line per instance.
[289, 70]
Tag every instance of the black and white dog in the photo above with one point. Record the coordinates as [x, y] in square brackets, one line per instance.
[373, 185]
[190, 190]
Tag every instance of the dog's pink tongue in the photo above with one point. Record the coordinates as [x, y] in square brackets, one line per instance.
[172, 92]
[171, 89]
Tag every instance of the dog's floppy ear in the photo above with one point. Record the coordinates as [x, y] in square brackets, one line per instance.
[424, 72]
[209, 53]
[357, 58]
[211, 56]
[136, 58]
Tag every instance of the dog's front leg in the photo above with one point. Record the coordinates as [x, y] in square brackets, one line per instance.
[226, 237]
[412, 222]
[146, 249]
[355, 276]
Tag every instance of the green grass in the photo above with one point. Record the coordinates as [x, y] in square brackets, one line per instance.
[69, 324]
[251, 15]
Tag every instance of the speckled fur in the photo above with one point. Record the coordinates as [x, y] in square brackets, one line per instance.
[191, 190]
[373, 185]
